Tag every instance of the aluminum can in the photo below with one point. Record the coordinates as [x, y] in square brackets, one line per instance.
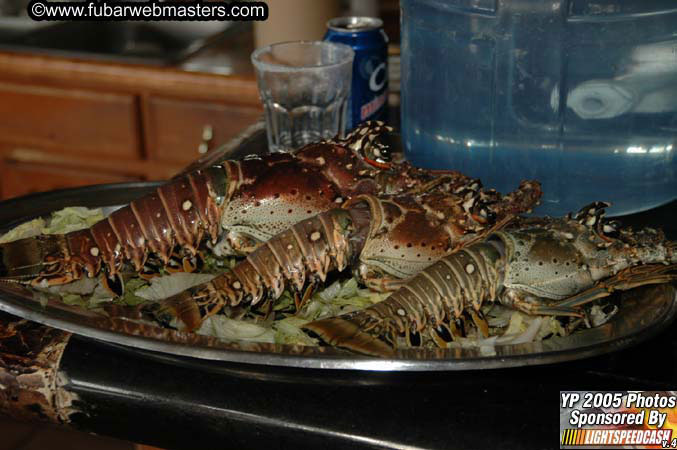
[369, 89]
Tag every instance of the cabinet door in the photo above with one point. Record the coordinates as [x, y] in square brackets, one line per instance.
[70, 121]
[176, 128]
[18, 179]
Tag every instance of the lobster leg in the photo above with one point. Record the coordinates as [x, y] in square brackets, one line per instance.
[349, 334]
[300, 300]
[384, 284]
[534, 305]
[480, 322]
[552, 311]
[629, 278]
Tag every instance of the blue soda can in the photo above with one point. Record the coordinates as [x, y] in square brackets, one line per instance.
[369, 89]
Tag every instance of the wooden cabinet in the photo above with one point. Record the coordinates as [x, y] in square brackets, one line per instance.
[176, 128]
[21, 179]
[66, 123]
[70, 120]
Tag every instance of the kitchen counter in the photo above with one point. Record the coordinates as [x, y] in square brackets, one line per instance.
[180, 402]
[27, 67]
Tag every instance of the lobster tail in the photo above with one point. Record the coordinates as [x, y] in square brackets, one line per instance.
[428, 302]
[301, 255]
[178, 213]
[182, 307]
[349, 334]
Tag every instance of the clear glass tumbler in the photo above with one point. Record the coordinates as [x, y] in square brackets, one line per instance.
[304, 87]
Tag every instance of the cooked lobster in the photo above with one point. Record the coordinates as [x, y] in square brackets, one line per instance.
[234, 207]
[384, 240]
[538, 266]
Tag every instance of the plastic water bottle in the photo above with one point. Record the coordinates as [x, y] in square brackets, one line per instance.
[578, 94]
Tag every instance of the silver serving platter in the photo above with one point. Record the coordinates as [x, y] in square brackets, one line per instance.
[645, 311]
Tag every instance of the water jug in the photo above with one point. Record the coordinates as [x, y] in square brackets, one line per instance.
[579, 94]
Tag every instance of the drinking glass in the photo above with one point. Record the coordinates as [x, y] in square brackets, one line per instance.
[304, 87]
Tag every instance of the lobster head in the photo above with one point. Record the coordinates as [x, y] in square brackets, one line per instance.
[557, 258]
[268, 194]
[410, 232]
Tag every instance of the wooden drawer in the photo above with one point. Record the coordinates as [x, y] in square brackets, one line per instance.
[18, 179]
[130, 169]
[174, 128]
[71, 120]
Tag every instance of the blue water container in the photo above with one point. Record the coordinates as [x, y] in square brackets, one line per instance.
[579, 94]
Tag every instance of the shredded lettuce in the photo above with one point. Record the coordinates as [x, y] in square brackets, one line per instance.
[529, 334]
[225, 328]
[517, 323]
[28, 229]
[83, 286]
[74, 299]
[288, 331]
[285, 302]
[598, 317]
[60, 222]
[550, 327]
[131, 287]
[330, 292]
[215, 264]
[164, 287]
[72, 219]
[498, 316]
[41, 298]
[339, 298]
